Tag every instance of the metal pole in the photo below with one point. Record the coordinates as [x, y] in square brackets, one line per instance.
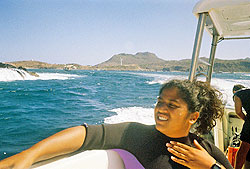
[212, 56]
[197, 45]
[218, 129]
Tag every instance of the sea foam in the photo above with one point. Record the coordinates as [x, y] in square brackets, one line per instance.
[12, 74]
[132, 114]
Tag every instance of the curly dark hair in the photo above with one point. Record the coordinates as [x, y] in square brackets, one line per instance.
[238, 87]
[200, 97]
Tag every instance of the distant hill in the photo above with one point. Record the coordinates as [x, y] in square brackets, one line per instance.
[140, 58]
[239, 65]
[149, 61]
[140, 61]
[145, 61]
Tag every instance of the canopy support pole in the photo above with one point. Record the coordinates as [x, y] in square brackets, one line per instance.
[212, 56]
[197, 45]
[218, 129]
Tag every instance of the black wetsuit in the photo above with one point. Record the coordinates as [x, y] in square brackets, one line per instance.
[244, 96]
[146, 143]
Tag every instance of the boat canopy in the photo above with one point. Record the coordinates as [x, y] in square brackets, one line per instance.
[230, 18]
[224, 20]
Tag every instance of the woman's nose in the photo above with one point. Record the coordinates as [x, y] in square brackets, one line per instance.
[162, 107]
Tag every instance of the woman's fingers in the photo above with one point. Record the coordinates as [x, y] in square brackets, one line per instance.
[198, 146]
[178, 154]
[183, 151]
[179, 147]
[180, 161]
[184, 146]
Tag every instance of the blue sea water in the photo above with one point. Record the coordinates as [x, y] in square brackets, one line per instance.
[32, 109]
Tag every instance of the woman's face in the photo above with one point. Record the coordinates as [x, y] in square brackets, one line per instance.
[171, 114]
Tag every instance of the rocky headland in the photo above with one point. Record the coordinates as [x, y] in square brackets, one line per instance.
[18, 69]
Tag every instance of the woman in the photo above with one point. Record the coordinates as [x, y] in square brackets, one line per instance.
[168, 144]
[241, 100]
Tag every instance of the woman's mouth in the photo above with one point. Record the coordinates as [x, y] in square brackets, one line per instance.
[162, 117]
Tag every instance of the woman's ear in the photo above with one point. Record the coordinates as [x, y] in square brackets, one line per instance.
[193, 117]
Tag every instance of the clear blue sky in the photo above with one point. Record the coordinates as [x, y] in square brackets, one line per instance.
[89, 32]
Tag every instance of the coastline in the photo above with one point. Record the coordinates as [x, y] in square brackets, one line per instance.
[149, 62]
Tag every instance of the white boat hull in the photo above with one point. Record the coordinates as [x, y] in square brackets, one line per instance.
[94, 159]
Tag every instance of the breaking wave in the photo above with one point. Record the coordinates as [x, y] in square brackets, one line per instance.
[12, 74]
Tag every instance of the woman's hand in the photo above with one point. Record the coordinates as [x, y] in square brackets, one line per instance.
[22, 160]
[194, 158]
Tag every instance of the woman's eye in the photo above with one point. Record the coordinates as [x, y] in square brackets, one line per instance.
[172, 106]
[159, 102]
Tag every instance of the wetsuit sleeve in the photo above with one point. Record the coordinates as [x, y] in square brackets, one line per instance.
[104, 136]
[218, 155]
